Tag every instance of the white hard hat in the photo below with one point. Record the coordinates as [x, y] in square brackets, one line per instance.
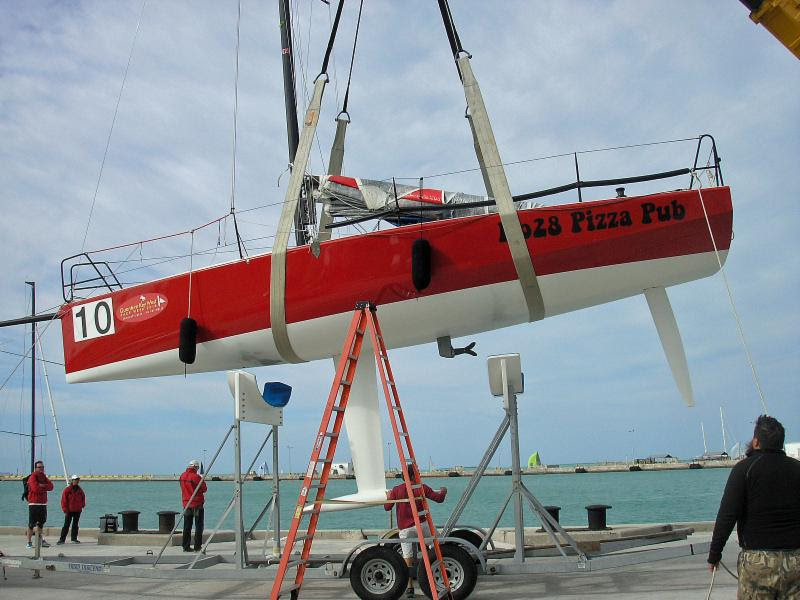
[75, 477]
[194, 463]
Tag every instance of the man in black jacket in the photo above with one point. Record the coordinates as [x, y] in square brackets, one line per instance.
[762, 498]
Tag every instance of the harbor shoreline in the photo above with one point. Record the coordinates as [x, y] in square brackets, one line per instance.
[610, 467]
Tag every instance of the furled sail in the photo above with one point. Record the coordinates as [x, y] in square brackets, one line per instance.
[351, 198]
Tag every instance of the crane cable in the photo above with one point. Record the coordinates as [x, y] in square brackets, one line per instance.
[730, 298]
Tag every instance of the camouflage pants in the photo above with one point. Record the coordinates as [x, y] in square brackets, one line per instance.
[769, 575]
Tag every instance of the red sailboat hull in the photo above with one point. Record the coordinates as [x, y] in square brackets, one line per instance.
[583, 254]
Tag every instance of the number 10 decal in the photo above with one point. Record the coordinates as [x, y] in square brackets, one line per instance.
[93, 319]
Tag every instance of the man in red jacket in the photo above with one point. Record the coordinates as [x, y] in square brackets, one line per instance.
[73, 501]
[405, 519]
[191, 481]
[38, 486]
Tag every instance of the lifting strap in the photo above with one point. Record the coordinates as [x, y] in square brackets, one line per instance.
[277, 275]
[334, 168]
[492, 166]
[277, 281]
[487, 184]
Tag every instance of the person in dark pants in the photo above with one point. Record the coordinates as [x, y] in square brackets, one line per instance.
[405, 519]
[193, 511]
[762, 498]
[38, 486]
[73, 501]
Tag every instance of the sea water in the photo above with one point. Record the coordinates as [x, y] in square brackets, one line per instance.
[635, 497]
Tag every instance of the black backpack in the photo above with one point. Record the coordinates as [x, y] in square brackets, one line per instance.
[25, 487]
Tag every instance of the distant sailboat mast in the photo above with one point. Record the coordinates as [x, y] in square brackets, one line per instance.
[724, 436]
[705, 446]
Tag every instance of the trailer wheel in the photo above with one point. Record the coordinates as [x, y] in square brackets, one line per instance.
[393, 534]
[473, 537]
[378, 573]
[461, 572]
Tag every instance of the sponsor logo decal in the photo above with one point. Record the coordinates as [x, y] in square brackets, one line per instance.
[141, 307]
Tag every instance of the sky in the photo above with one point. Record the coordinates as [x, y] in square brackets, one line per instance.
[557, 78]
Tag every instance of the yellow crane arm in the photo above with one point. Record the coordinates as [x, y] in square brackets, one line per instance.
[781, 18]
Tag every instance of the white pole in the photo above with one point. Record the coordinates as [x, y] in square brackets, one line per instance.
[703, 429]
[724, 437]
[52, 408]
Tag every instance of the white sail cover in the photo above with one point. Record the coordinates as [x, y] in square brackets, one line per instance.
[352, 198]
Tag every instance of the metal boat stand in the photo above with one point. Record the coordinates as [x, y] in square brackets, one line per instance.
[253, 406]
[507, 380]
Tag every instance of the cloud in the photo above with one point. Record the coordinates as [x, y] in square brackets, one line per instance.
[557, 78]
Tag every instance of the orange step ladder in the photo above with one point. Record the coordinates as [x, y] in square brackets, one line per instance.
[364, 318]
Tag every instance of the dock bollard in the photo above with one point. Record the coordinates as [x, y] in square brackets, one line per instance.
[166, 520]
[553, 512]
[130, 520]
[597, 516]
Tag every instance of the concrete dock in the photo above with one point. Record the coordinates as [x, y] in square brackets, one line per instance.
[679, 578]
[682, 578]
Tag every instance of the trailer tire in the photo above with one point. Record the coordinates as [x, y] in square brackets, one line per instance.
[461, 572]
[473, 537]
[378, 573]
[393, 534]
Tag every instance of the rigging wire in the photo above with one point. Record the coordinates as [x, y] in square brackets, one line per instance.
[739, 326]
[27, 352]
[157, 260]
[235, 128]
[52, 362]
[548, 157]
[41, 414]
[56, 429]
[335, 75]
[301, 55]
[352, 59]
[450, 29]
[113, 121]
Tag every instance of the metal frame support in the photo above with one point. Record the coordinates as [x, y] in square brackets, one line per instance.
[518, 488]
[276, 488]
[241, 546]
[242, 412]
[183, 513]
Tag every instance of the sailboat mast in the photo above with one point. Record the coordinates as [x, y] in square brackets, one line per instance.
[305, 209]
[33, 374]
[290, 100]
[724, 437]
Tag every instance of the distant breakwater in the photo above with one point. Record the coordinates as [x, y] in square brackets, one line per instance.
[458, 471]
